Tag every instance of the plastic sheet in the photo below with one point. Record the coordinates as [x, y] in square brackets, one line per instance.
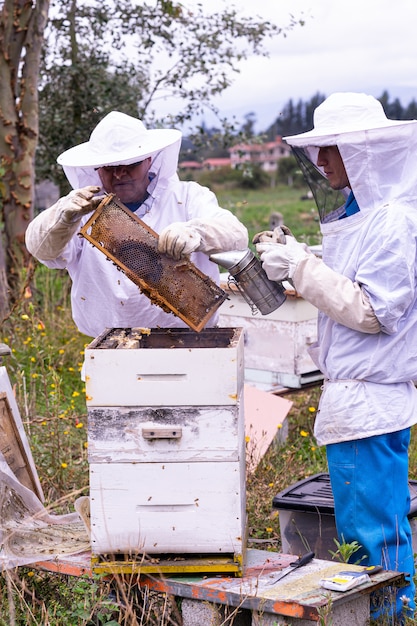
[28, 532]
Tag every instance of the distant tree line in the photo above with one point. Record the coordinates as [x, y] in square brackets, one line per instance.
[297, 117]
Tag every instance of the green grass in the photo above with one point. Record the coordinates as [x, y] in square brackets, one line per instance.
[254, 208]
[44, 367]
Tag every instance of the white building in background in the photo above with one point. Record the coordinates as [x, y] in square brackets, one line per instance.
[267, 155]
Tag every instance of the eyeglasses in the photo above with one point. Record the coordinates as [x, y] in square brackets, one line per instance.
[108, 169]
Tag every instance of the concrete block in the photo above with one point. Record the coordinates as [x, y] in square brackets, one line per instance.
[200, 613]
[353, 612]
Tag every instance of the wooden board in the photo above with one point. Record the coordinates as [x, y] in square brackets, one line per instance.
[14, 444]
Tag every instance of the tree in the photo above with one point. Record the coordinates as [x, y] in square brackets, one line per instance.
[22, 24]
[295, 118]
[115, 54]
[99, 55]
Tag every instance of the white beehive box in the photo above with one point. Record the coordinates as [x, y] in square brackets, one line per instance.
[167, 508]
[210, 373]
[167, 450]
[276, 345]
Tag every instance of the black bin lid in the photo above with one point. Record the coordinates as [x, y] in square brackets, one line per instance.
[314, 494]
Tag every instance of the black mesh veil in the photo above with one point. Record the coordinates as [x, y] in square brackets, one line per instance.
[327, 199]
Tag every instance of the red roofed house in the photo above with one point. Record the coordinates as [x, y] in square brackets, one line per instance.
[213, 163]
[190, 165]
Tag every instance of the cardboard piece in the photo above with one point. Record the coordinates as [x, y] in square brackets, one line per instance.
[265, 420]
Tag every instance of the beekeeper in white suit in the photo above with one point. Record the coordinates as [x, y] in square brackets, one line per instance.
[140, 167]
[365, 287]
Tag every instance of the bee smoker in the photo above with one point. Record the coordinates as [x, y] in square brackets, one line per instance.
[246, 273]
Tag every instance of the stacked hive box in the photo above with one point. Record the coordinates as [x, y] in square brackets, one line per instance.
[276, 345]
[166, 442]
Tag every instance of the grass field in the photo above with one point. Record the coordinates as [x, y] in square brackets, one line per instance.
[254, 208]
[44, 367]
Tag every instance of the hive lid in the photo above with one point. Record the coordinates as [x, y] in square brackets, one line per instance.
[314, 495]
[311, 494]
[177, 287]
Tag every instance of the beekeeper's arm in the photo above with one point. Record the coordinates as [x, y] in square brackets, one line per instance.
[48, 234]
[214, 234]
[337, 296]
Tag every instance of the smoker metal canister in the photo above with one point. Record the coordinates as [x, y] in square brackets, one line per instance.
[246, 272]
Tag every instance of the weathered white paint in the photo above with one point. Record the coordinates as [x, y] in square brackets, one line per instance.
[166, 441]
[124, 434]
[277, 342]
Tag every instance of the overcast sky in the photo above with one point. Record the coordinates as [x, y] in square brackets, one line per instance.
[354, 45]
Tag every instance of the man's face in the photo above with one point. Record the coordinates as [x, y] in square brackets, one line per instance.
[330, 160]
[127, 182]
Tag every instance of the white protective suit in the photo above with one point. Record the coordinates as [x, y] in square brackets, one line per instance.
[368, 387]
[102, 297]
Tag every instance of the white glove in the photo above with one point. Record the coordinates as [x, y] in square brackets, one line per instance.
[178, 239]
[77, 203]
[280, 260]
[273, 236]
[48, 234]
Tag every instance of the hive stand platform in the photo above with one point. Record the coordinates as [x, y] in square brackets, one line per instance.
[254, 600]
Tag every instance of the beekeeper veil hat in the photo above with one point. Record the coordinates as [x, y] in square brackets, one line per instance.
[371, 146]
[119, 139]
[343, 113]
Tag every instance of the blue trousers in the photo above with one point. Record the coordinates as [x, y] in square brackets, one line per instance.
[369, 479]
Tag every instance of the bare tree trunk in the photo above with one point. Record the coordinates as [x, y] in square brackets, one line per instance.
[4, 295]
[22, 26]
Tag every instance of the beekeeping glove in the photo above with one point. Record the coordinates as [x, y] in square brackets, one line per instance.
[273, 236]
[280, 260]
[340, 298]
[48, 234]
[178, 239]
[216, 234]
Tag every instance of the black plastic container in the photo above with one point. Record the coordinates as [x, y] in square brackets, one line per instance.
[306, 516]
